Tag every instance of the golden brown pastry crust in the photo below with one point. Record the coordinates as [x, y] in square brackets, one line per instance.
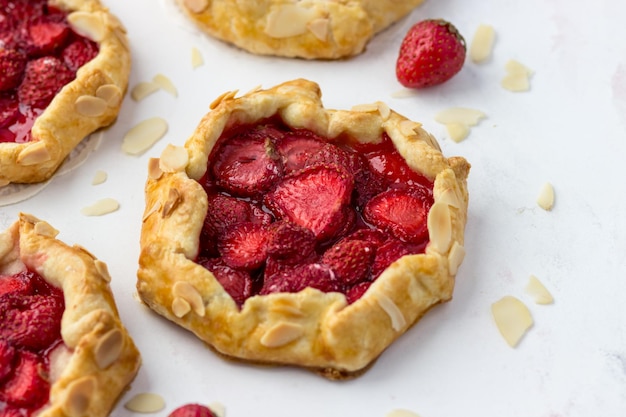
[311, 29]
[310, 329]
[91, 101]
[103, 359]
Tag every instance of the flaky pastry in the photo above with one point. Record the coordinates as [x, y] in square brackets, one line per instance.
[309, 328]
[89, 102]
[99, 359]
[311, 29]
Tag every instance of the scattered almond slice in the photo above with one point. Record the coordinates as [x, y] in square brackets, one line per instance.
[545, 200]
[482, 43]
[458, 121]
[405, 93]
[196, 58]
[143, 135]
[512, 318]
[99, 177]
[401, 413]
[538, 291]
[165, 84]
[145, 403]
[288, 20]
[143, 89]
[218, 409]
[101, 207]
[517, 78]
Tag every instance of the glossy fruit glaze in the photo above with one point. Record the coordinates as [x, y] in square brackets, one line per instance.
[289, 209]
[30, 313]
[39, 54]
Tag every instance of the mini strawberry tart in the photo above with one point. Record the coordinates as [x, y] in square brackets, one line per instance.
[63, 349]
[65, 66]
[290, 234]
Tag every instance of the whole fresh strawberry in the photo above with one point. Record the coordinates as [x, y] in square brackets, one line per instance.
[432, 52]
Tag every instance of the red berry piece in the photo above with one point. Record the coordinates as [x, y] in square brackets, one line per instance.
[226, 211]
[391, 252]
[45, 37]
[27, 387]
[432, 52]
[400, 212]
[291, 243]
[78, 53]
[350, 260]
[244, 246]
[355, 292]
[314, 198]
[12, 67]
[9, 111]
[374, 237]
[247, 164]
[296, 148]
[192, 410]
[43, 79]
[297, 278]
[15, 284]
[237, 283]
[7, 359]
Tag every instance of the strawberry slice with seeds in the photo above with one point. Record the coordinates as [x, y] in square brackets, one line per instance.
[295, 279]
[27, 387]
[7, 359]
[244, 245]
[9, 110]
[15, 284]
[350, 260]
[297, 147]
[237, 283]
[314, 198]
[247, 164]
[78, 53]
[357, 291]
[291, 243]
[12, 67]
[192, 410]
[392, 251]
[401, 212]
[43, 79]
[45, 37]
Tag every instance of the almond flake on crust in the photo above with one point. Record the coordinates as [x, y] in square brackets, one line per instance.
[87, 24]
[190, 294]
[288, 20]
[78, 397]
[281, 334]
[34, 153]
[173, 159]
[398, 322]
[91, 106]
[440, 227]
[109, 348]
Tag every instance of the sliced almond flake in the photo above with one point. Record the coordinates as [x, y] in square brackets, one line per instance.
[515, 83]
[222, 97]
[145, 402]
[173, 200]
[455, 257]
[91, 106]
[515, 67]
[464, 115]
[398, 322]
[449, 197]
[320, 28]
[165, 84]
[99, 177]
[89, 25]
[154, 168]
[281, 334]
[78, 396]
[482, 43]
[401, 413]
[109, 348]
[155, 208]
[409, 127]
[180, 307]
[173, 159]
[103, 270]
[190, 294]
[512, 318]
[101, 207]
[218, 409]
[538, 291]
[288, 20]
[197, 6]
[143, 89]
[84, 249]
[45, 229]
[110, 93]
[196, 58]
[404, 93]
[34, 153]
[384, 110]
[143, 135]
[440, 227]
[365, 108]
[457, 131]
[545, 199]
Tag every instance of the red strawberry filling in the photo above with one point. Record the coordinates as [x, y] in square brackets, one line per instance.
[39, 55]
[30, 313]
[289, 210]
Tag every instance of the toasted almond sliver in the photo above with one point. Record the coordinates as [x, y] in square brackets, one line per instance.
[516, 83]
[143, 135]
[165, 84]
[545, 199]
[78, 396]
[288, 20]
[440, 227]
[482, 43]
[99, 177]
[281, 334]
[101, 207]
[196, 58]
[110, 93]
[143, 89]
[91, 106]
[34, 153]
[197, 6]
[512, 318]
[180, 307]
[109, 348]
[384, 110]
[103, 270]
[409, 127]
[455, 257]
[189, 293]
[45, 229]
[365, 108]
[319, 28]
[145, 402]
[515, 67]
[398, 322]
[457, 131]
[87, 24]
[154, 168]
[463, 115]
[173, 159]
[538, 291]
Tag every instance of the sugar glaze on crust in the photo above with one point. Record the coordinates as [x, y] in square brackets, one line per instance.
[310, 328]
[311, 29]
[91, 101]
[102, 358]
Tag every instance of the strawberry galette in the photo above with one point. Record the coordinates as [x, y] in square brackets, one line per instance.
[65, 66]
[313, 29]
[63, 349]
[287, 233]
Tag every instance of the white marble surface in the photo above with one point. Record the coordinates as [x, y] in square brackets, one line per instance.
[568, 130]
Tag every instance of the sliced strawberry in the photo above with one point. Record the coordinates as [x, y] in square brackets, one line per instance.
[350, 260]
[237, 283]
[225, 211]
[367, 184]
[297, 278]
[46, 36]
[12, 67]
[374, 237]
[391, 252]
[297, 147]
[331, 154]
[79, 52]
[244, 246]
[291, 243]
[7, 359]
[314, 198]
[247, 164]
[28, 386]
[355, 292]
[400, 212]
[9, 110]
[33, 322]
[192, 410]
[43, 79]
[16, 284]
